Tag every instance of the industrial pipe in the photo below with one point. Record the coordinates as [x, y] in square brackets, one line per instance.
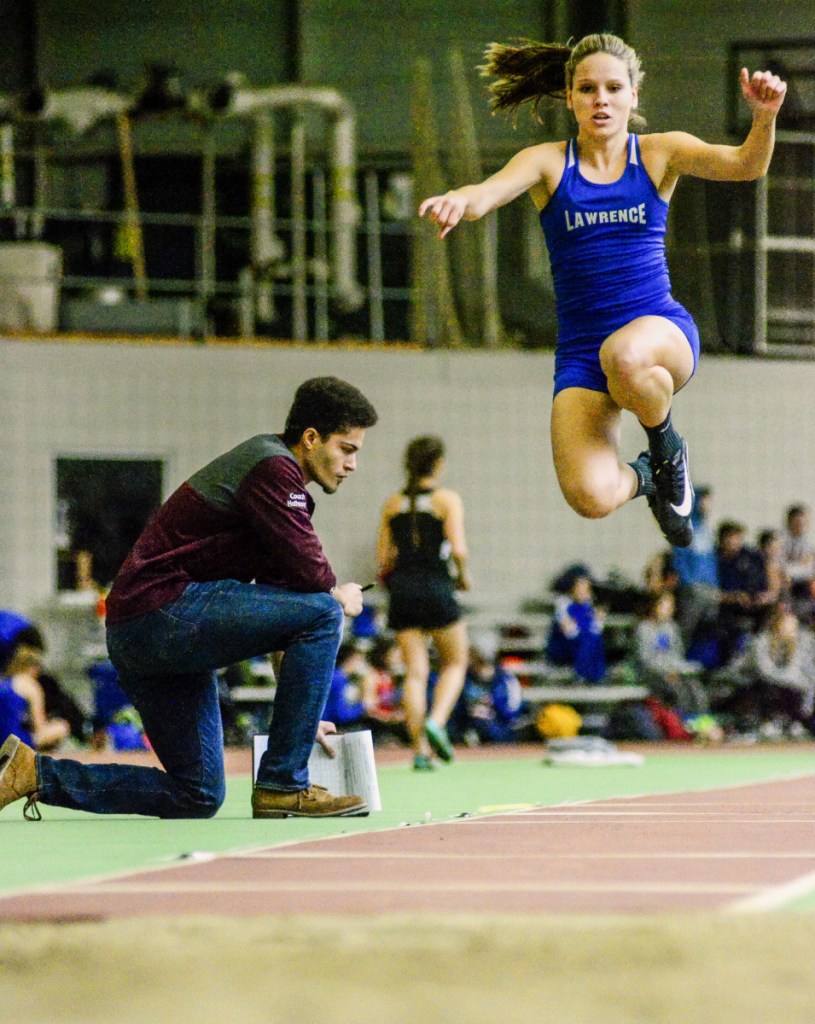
[79, 108]
[232, 99]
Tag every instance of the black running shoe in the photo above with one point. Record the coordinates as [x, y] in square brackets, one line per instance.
[672, 503]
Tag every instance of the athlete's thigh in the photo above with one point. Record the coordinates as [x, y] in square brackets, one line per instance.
[413, 648]
[652, 341]
[585, 431]
[451, 642]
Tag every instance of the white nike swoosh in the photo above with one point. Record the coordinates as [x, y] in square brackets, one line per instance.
[687, 498]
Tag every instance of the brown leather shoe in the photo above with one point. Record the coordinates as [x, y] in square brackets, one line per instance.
[18, 776]
[314, 802]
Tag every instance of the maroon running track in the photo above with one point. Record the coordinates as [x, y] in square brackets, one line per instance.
[747, 847]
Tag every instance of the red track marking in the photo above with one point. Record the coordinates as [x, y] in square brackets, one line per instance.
[740, 848]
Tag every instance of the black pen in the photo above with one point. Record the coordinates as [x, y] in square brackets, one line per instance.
[367, 586]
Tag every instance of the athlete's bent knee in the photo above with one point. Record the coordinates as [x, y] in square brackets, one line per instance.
[589, 504]
[621, 364]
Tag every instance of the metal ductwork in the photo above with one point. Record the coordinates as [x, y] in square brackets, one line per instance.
[233, 99]
[79, 108]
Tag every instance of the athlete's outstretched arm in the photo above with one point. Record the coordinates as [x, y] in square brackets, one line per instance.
[525, 170]
[764, 93]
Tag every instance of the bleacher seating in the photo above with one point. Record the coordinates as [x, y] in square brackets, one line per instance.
[520, 641]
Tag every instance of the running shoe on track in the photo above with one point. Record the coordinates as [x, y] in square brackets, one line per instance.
[672, 503]
[439, 740]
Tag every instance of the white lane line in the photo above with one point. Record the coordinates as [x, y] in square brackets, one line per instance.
[547, 821]
[309, 886]
[548, 857]
[776, 896]
[645, 811]
[698, 804]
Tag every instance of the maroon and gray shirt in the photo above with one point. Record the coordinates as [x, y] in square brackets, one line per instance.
[245, 516]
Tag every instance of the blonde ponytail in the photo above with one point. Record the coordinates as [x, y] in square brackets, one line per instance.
[525, 73]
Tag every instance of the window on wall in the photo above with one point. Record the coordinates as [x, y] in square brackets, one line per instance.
[102, 506]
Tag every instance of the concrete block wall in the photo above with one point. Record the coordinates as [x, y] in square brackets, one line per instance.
[749, 424]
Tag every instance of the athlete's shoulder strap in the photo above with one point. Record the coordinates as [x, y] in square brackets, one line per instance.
[633, 149]
[422, 502]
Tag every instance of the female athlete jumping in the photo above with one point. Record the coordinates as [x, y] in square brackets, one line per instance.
[623, 341]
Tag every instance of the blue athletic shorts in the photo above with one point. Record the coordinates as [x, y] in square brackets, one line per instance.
[577, 362]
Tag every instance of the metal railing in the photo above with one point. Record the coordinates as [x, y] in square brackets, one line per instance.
[784, 268]
[294, 297]
[297, 289]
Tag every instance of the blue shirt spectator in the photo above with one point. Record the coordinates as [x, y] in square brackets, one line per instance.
[698, 563]
[344, 705]
[491, 706]
[576, 637]
[14, 714]
[14, 628]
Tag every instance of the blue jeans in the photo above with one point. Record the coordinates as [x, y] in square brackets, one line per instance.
[166, 663]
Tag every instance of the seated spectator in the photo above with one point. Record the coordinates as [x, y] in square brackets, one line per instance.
[368, 625]
[660, 660]
[59, 704]
[116, 723]
[345, 706]
[798, 557]
[660, 574]
[697, 571]
[743, 583]
[15, 717]
[17, 632]
[380, 689]
[15, 629]
[491, 708]
[576, 636]
[24, 702]
[778, 582]
[775, 676]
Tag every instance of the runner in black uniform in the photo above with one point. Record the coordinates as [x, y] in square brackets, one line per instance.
[421, 534]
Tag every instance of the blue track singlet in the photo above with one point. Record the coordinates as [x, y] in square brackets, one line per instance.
[607, 250]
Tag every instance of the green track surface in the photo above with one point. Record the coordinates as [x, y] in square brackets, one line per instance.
[70, 845]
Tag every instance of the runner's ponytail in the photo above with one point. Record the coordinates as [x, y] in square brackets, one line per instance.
[525, 72]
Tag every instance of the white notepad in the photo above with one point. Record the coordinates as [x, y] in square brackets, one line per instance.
[351, 771]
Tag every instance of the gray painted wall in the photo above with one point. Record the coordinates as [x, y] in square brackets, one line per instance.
[746, 421]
